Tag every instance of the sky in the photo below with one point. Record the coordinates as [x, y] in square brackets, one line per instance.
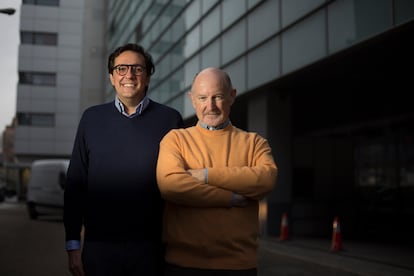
[10, 41]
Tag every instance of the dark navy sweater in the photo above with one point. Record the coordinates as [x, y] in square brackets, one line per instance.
[111, 185]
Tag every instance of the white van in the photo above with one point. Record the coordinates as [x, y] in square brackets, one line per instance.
[46, 185]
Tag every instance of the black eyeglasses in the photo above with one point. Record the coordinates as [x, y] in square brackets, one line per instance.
[136, 69]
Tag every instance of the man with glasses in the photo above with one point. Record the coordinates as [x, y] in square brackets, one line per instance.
[112, 201]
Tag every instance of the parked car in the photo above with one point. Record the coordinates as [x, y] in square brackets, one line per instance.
[46, 185]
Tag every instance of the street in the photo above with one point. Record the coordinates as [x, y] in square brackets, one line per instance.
[30, 247]
[36, 247]
[271, 264]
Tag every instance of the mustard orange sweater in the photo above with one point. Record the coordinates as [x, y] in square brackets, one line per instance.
[201, 228]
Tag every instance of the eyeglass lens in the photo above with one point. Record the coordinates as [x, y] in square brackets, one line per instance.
[122, 69]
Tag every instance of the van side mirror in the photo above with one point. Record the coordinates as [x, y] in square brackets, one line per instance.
[62, 180]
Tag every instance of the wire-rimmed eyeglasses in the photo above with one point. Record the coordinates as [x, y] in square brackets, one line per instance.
[122, 69]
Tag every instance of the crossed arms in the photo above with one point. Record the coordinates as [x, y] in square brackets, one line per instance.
[183, 181]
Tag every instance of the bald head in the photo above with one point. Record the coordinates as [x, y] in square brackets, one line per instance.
[214, 74]
[212, 95]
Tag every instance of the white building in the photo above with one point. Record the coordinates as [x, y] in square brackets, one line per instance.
[61, 71]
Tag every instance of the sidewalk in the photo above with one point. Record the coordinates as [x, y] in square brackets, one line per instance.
[356, 257]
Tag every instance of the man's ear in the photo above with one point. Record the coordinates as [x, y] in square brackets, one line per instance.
[233, 94]
[111, 78]
[190, 95]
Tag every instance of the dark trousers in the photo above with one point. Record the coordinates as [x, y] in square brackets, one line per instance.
[173, 270]
[122, 258]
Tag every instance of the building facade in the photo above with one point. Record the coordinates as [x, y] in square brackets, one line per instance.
[323, 81]
[61, 71]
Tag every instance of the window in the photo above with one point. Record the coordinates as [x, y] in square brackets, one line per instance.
[406, 155]
[42, 2]
[36, 119]
[138, 31]
[386, 161]
[37, 78]
[38, 38]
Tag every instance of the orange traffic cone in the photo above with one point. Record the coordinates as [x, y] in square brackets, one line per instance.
[336, 236]
[284, 228]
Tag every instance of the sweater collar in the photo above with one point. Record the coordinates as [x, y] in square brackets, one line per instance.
[138, 111]
[220, 126]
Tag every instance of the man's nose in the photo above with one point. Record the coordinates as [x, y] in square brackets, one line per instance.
[211, 103]
[129, 73]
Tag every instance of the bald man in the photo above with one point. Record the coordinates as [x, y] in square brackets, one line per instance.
[212, 176]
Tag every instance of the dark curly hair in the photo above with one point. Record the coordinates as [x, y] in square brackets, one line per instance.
[149, 64]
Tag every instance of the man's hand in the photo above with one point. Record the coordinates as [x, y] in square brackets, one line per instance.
[239, 200]
[199, 174]
[75, 263]
[236, 200]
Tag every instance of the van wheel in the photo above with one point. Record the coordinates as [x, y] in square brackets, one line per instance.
[31, 208]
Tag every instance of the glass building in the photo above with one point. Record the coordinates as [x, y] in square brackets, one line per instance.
[327, 82]
[324, 81]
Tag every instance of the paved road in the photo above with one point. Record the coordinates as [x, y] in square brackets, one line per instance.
[29, 247]
[271, 264]
[35, 248]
